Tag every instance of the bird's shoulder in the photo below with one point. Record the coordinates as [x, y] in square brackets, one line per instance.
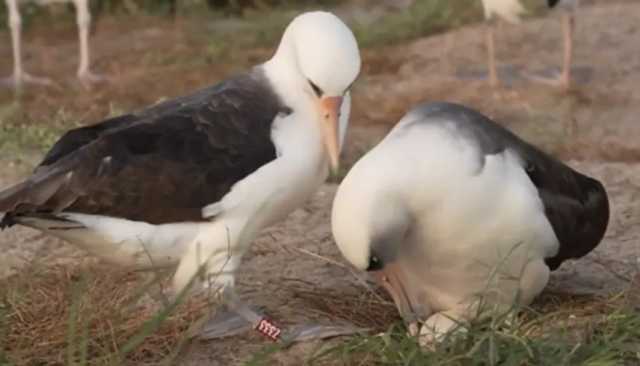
[489, 137]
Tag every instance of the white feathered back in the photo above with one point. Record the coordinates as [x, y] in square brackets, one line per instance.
[509, 10]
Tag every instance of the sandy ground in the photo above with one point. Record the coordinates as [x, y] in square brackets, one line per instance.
[595, 125]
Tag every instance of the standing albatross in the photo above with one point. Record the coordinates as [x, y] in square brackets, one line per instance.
[511, 10]
[451, 206]
[193, 180]
[20, 76]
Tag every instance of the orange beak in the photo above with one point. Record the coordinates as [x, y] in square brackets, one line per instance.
[330, 115]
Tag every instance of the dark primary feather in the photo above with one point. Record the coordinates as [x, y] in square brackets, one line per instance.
[576, 205]
[160, 165]
[552, 3]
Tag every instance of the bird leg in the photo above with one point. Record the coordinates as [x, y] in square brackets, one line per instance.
[239, 318]
[564, 78]
[83, 18]
[568, 25]
[19, 77]
[215, 272]
[236, 318]
[491, 54]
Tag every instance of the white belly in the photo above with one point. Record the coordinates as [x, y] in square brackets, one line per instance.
[481, 231]
[123, 242]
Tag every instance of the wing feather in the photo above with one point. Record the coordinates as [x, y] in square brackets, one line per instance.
[160, 165]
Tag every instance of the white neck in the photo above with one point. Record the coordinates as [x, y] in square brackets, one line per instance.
[302, 164]
[283, 73]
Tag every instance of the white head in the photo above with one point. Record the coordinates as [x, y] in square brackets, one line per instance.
[368, 223]
[318, 58]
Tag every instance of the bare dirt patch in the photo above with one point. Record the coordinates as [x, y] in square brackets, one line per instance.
[595, 120]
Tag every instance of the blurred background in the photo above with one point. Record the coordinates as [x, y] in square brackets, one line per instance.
[413, 51]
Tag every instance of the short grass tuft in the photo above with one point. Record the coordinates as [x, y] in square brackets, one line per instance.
[575, 331]
[74, 315]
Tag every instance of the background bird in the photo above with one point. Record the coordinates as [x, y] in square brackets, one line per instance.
[511, 11]
[451, 208]
[190, 182]
[20, 76]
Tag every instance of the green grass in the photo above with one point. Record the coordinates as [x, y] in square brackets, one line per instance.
[534, 339]
[20, 139]
[230, 36]
[423, 18]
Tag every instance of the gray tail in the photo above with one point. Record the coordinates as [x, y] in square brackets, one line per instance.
[7, 221]
[37, 193]
[9, 199]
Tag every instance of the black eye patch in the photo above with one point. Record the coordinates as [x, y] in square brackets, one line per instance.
[316, 89]
[375, 263]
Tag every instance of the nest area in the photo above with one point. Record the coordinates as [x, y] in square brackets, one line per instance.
[62, 314]
[57, 315]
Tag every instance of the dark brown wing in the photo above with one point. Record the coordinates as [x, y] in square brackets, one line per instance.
[160, 165]
[576, 205]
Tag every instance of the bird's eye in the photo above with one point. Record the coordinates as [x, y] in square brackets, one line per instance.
[316, 89]
[375, 264]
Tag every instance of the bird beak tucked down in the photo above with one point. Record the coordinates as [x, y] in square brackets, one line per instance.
[330, 115]
[391, 279]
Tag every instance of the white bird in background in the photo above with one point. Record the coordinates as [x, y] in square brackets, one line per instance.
[20, 76]
[511, 10]
[189, 183]
[451, 207]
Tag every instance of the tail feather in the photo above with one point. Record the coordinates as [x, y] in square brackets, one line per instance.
[6, 221]
[583, 230]
[598, 205]
[10, 197]
[33, 194]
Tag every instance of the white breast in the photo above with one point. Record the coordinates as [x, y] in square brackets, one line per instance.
[469, 214]
[510, 10]
[464, 198]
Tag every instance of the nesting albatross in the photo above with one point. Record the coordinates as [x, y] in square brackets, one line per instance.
[450, 206]
[191, 181]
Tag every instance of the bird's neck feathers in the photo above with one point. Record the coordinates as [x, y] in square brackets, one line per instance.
[363, 219]
[300, 131]
[285, 76]
[299, 136]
